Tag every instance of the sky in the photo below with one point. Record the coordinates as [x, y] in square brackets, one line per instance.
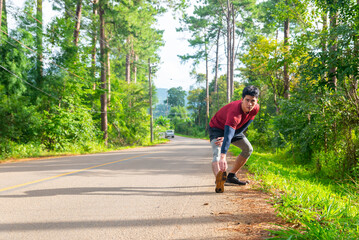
[171, 73]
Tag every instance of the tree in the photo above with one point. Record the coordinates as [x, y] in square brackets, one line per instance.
[229, 50]
[233, 12]
[286, 47]
[199, 27]
[1, 7]
[39, 44]
[333, 47]
[128, 60]
[216, 69]
[196, 103]
[78, 22]
[3, 17]
[262, 67]
[160, 110]
[94, 41]
[205, 27]
[51, 107]
[1, 10]
[176, 97]
[103, 49]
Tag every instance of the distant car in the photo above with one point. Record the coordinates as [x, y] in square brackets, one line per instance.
[170, 133]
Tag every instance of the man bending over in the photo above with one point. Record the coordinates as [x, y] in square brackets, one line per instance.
[226, 127]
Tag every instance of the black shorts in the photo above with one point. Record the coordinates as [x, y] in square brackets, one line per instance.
[216, 133]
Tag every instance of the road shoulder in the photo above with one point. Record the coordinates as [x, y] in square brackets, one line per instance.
[249, 212]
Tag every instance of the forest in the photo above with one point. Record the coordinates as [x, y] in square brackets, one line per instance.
[303, 56]
[82, 82]
[88, 70]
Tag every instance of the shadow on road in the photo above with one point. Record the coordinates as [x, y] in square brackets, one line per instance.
[66, 225]
[128, 191]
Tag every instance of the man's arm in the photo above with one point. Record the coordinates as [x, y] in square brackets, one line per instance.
[244, 127]
[239, 131]
[228, 135]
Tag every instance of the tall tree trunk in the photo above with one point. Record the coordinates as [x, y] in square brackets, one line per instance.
[78, 22]
[103, 51]
[228, 52]
[1, 4]
[128, 68]
[39, 35]
[135, 69]
[324, 31]
[150, 94]
[94, 41]
[233, 51]
[128, 61]
[333, 47]
[353, 84]
[207, 87]
[3, 16]
[216, 70]
[286, 52]
[274, 94]
[356, 38]
[356, 54]
[108, 74]
[323, 41]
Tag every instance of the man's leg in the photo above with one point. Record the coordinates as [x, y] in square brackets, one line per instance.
[216, 152]
[221, 177]
[247, 150]
[215, 168]
[240, 161]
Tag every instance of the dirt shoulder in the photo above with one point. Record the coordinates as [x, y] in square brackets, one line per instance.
[250, 212]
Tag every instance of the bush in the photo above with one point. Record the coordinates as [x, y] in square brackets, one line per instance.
[67, 128]
[19, 122]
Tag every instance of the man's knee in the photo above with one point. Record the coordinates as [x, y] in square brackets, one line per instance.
[247, 151]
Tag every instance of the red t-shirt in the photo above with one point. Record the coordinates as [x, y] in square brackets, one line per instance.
[233, 116]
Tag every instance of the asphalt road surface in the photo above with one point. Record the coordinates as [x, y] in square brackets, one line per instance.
[161, 192]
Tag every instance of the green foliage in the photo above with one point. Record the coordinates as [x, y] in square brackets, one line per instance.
[161, 125]
[160, 110]
[318, 123]
[178, 112]
[197, 104]
[19, 121]
[129, 118]
[163, 122]
[323, 208]
[50, 92]
[176, 97]
[64, 127]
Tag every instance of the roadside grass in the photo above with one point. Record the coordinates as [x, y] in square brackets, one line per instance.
[12, 151]
[318, 207]
[188, 136]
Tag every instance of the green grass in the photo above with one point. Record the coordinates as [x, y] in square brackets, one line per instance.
[323, 208]
[13, 151]
[183, 135]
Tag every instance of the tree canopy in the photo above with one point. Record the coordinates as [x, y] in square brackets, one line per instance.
[176, 97]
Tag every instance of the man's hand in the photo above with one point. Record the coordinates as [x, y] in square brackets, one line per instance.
[222, 163]
[219, 141]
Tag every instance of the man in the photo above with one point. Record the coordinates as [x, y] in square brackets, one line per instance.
[226, 127]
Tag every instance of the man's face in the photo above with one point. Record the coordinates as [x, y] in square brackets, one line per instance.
[248, 103]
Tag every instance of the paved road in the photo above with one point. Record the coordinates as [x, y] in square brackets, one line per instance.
[161, 192]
